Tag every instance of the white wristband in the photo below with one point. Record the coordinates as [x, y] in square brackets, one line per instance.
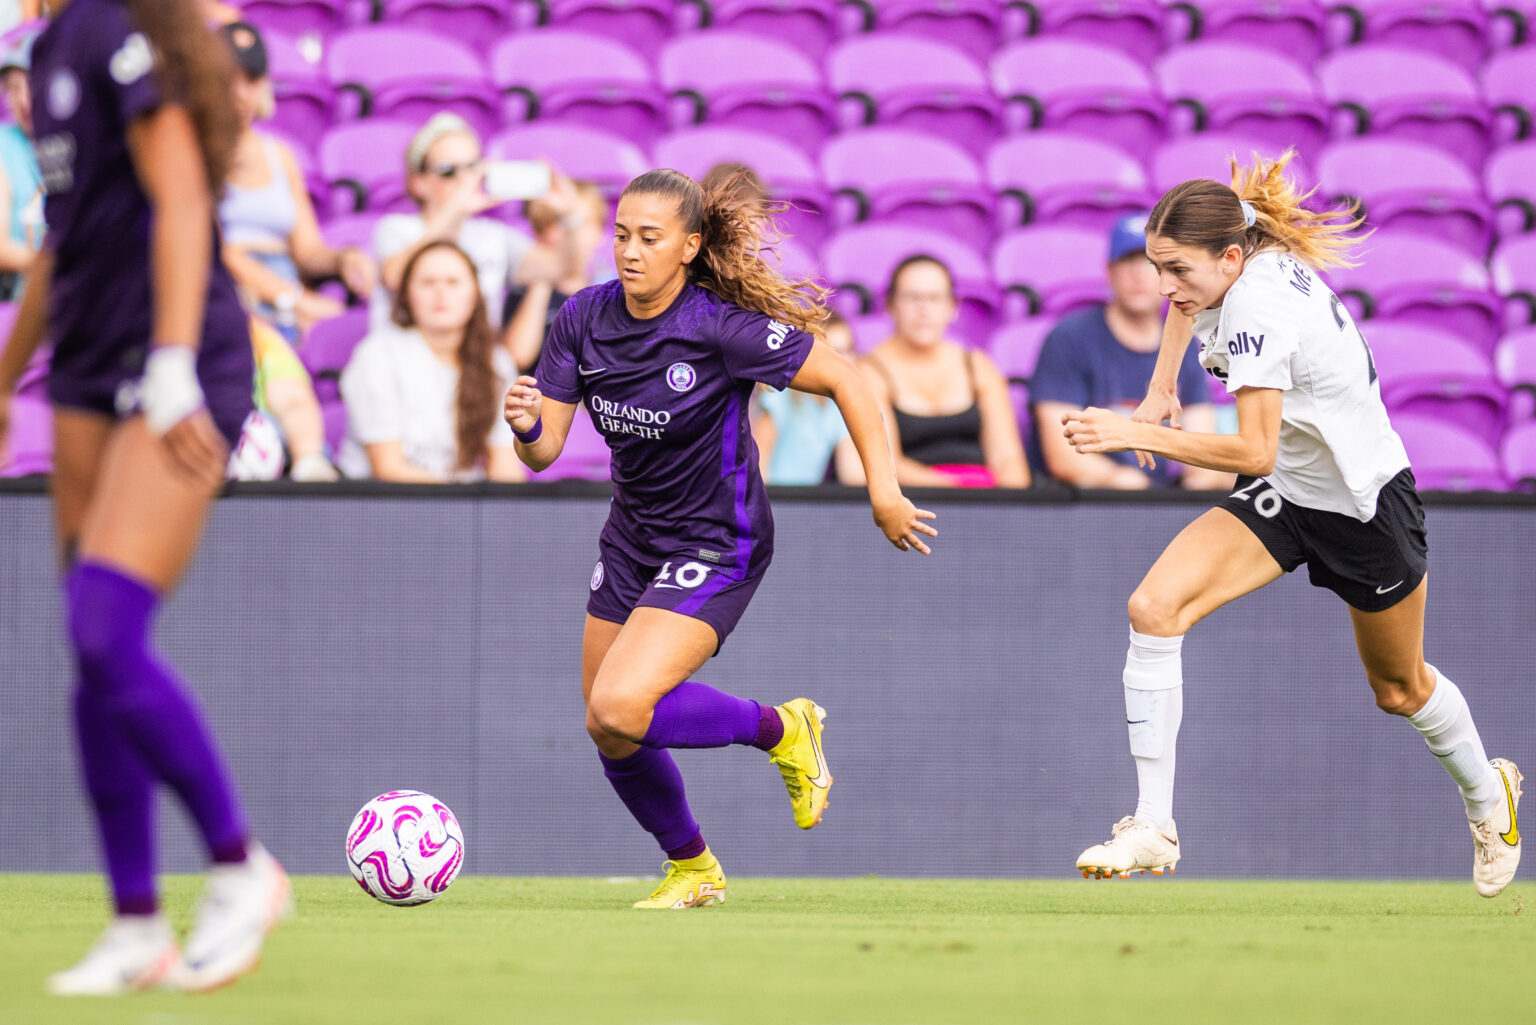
[169, 392]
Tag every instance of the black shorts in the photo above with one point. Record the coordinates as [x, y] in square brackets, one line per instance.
[1371, 565]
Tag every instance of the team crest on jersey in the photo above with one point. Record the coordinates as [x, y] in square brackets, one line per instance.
[63, 94]
[597, 575]
[680, 377]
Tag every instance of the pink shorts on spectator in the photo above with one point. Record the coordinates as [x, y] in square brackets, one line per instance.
[968, 475]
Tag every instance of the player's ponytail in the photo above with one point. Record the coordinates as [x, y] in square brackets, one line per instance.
[736, 224]
[194, 69]
[1261, 210]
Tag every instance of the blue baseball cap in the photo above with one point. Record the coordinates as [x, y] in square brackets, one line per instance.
[1129, 235]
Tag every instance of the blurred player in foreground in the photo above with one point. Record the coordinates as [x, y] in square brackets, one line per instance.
[150, 381]
[666, 359]
[1323, 479]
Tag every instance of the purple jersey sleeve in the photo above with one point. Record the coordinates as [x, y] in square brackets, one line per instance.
[755, 347]
[558, 372]
[130, 65]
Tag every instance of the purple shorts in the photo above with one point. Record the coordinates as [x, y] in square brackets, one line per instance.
[714, 594]
[100, 378]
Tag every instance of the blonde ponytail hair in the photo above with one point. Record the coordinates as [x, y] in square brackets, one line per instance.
[1210, 216]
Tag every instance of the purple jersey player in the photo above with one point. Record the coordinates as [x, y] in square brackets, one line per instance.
[150, 380]
[665, 360]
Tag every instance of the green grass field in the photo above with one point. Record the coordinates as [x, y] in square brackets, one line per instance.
[805, 952]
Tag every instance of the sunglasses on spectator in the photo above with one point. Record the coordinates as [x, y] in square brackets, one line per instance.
[450, 171]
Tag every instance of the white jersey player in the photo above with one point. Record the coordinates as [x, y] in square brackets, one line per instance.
[1322, 479]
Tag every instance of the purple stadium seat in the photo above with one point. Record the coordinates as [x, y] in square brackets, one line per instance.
[1517, 455]
[789, 174]
[1208, 155]
[1515, 363]
[644, 24]
[1431, 373]
[1418, 278]
[974, 26]
[794, 260]
[905, 82]
[1246, 90]
[891, 174]
[733, 78]
[1050, 271]
[576, 77]
[585, 154]
[1079, 87]
[1016, 347]
[1509, 179]
[327, 348]
[409, 74]
[870, 331]
[858, 262]
[808, 25]
[1411, 186]
[1513, 266]
[28, 446]
[303, 97]
[1292, 27]
[1059, 178]
[1132, 26]
[585, 456]
[364, 165]
[295, 17]
[1509, 86]
[354, 230]
[1408, 94]
[475, 23]
[1455, 29]
[1448, 457]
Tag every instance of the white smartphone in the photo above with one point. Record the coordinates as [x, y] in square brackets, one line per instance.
[516, 179]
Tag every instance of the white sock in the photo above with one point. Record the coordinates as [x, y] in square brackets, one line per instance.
[1448, 729]
[1154, 707]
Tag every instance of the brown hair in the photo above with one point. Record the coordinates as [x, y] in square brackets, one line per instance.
[736, 224]
[912, 261]
[1208, 215]
[478, 380]
[195, 70]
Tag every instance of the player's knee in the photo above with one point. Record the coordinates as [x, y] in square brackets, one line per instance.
[612, 715]
[1152, 613]
[1401, 692]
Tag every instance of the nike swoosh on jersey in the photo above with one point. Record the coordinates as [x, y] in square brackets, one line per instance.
[1384, 590]
[820, 779]
[1512, 837]
[589, 371]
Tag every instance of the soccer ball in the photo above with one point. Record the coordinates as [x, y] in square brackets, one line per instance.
[405, 847]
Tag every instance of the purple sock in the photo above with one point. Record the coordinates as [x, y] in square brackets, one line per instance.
[109, 621]
[122, 792]
[652, 789]
[696, 715]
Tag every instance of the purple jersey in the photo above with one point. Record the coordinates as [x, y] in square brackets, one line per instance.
[92, 75]
[670, 395]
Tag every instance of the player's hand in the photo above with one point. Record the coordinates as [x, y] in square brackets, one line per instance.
[358, 272]
[197, 448]
[1096, 430]
[901, 522]
[524, 404]
[1160, 404]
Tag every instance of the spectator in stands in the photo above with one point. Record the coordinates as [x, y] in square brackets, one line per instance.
[445, 175]
[800, 436]
[424, 392]
[1104, 357]
[952, 422]
[21, 184]
[272, 242]
[531, 306]
[286, 395]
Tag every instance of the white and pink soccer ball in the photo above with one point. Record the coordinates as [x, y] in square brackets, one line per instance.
[405, 847]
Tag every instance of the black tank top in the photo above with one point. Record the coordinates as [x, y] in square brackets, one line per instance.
[950, 440]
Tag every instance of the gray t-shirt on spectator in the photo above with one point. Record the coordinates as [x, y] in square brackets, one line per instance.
[496, 249]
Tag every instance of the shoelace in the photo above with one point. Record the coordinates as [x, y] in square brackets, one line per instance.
[1483, 834]
[1122, 826]
[673, 870]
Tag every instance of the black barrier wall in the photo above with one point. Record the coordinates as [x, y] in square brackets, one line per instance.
[347, 646]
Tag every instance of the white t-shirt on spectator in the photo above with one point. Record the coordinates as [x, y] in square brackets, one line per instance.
[496, 249]
[395, 389]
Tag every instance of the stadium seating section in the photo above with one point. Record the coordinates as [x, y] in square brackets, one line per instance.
[1002, 136]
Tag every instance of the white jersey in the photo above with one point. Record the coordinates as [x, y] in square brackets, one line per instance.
[1281, 327]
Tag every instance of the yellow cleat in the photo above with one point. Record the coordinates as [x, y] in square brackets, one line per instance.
[690, 883]
[801, 760]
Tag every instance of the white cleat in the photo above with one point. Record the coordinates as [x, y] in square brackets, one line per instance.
[1496, 839]
[240, 906]
[135, 952]
[1135, 846]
